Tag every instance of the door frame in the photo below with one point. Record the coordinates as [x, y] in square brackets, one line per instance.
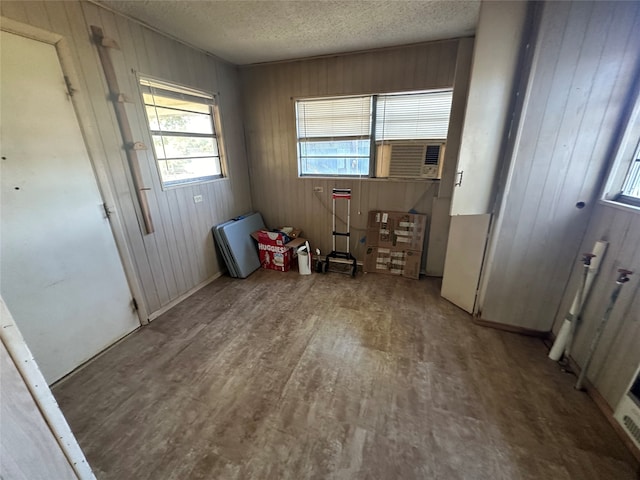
[46, 403]
[92, 144]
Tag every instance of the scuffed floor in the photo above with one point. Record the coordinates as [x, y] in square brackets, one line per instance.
[280, 376]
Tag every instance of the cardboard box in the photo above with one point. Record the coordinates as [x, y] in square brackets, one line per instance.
[274, 252]
[291, 232]
[392, 261]
[396, 230]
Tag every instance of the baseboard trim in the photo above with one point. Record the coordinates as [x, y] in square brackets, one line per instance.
[607, 411]
[182, 297]
[511, 328]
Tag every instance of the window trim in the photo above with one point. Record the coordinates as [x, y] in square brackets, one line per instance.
[628, 146]
[198, 96]
[373, 141]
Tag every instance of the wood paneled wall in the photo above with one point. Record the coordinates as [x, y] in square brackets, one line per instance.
[269, 91]
[618, 354]
[585, 59]
[180, 254]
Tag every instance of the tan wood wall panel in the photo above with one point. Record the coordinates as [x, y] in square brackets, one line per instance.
[586, 57]
[269, 91]
[180, 254]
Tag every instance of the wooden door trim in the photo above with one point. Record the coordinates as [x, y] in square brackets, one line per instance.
[36, 384]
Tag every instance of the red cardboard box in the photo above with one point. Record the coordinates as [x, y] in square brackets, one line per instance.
[275, 253]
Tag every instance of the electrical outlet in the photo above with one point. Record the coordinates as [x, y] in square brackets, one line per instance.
[318, 189]
[197, 198]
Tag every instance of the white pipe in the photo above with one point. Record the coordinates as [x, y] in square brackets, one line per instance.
[567, 331]
[599, 250]
[561, 340]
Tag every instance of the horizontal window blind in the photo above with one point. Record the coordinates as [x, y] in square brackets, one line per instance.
[334, 118]
[175, 91]
[335, 134]
[415, 116]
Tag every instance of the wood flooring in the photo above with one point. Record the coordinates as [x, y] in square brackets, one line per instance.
[281, 376]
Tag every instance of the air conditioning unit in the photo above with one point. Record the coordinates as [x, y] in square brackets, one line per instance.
[402, 159]
[628, 411]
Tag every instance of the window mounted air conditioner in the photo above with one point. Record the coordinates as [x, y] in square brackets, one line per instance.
[628, 411]
[402, 159]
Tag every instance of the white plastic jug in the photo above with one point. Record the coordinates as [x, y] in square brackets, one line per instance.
[304, 259]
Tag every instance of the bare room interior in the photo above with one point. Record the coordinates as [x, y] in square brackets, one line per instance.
[364, 239]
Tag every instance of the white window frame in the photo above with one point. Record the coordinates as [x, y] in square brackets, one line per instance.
[374, 129]
[632, 181]
[196, 96]
[625, 158]
[360, 131]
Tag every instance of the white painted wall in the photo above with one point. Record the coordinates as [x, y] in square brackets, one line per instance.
[489, 108]
[584, 64]
[498, 46]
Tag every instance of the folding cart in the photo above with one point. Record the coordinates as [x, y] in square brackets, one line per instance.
[341, 194]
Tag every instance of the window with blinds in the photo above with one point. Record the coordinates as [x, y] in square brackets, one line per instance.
[413, 116]
[182, 123]
[335, 135]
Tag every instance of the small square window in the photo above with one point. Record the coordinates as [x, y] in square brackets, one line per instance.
[184, 130]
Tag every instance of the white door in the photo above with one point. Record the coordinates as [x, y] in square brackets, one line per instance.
[497, 48]
[463, 262]
[60, 272]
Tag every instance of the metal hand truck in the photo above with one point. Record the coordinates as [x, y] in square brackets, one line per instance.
[341, 194]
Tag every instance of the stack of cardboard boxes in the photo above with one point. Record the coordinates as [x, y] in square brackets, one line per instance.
[394, 243]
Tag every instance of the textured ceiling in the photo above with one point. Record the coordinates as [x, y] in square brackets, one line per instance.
[245, 32]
